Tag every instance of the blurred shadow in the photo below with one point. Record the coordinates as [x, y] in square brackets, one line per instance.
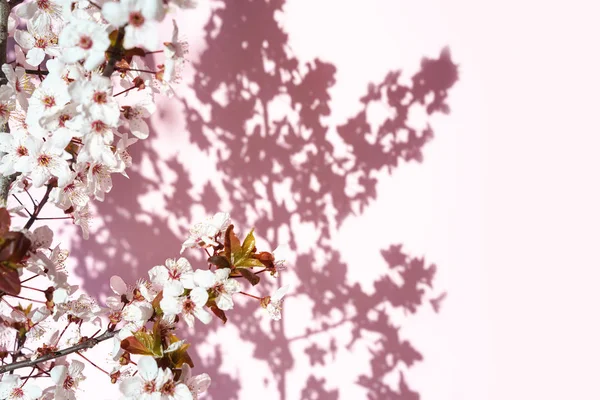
[283, 166]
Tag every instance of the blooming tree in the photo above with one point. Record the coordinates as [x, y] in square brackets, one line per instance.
[72, 101]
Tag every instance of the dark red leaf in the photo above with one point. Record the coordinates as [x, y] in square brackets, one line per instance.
[249, 275]
[4, 221]
[219, 261]
[219, 313]
[9, 280]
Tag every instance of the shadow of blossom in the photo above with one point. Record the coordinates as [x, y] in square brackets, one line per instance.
[282, 166]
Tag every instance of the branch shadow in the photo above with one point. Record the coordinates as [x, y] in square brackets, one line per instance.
[282, 166]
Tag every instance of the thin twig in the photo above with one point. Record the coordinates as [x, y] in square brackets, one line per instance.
[37, 210]
[87, 344]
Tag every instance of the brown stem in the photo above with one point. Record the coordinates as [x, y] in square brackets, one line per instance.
[5, 181]
[87, 344]
[37, 210]
[114, 53]
[36, 72]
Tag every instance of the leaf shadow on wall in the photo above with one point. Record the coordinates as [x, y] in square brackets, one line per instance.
[282, 168]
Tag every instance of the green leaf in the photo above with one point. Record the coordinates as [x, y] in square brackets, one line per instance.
[248, 247]
[156, 304]
[244, 257]
[250, 276]
[249, 262]
[157, 347]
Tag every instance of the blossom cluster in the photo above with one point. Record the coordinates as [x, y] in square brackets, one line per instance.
[76, 96]
[141, 318]
[79, 91]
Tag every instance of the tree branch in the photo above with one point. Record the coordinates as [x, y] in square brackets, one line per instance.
[87, 344]
[39, 207]
[5, 181]
[115, 53]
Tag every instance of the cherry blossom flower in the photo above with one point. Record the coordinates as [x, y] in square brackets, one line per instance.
[10, 388]
[19, 82]
[41, 12]
[173, 303]
[84, 40]
[179, 271]
[7, 103]
[65, 124]
[99, 180]
[82, 217]
[175, 52]
[67, 379]
[135, 115]
[122, 154]
[140, 18]
[42, 161]
[220, 282]
[14, 147]
[172, 390]
[146, 385]
[204, 233]
[37, 43]
[96, 98]
[197, 384]
[47, 99]
[73, 194]
[275, 301]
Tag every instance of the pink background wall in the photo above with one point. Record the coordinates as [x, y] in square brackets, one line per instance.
[504, 202]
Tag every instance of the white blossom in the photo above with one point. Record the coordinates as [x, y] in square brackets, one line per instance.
[67, 379]
[140, 18]
[84, 40]
[10, 388]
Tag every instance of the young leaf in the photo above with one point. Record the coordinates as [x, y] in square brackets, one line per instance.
[156, 304]
[266, 258]
[219, 261]
[4, 221]
[133, 345]
[219, 313]
[244, 256]
[9, 280]
[231, 243]
[248, 247]
[249, 275]
[14, 247]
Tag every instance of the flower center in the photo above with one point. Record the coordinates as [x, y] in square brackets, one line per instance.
[62, 119]
[17, 393]
[168, 388]
[4, 111]
[98, 126]
[85, 42]
[136, 19]
[97, 169]
[188, 306]
[44, 160]
[44, 5]
[150, 387]
[100, 97]
[69, 382]
[22, 151]
[175, 274]
[49, 101]
[41, 43]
